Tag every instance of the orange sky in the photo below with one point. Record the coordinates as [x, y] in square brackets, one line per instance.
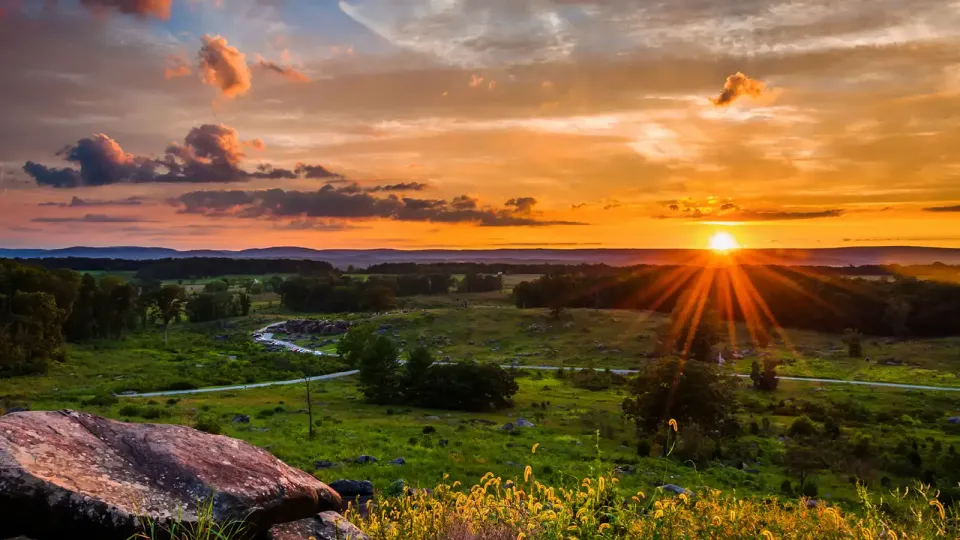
[480, 123]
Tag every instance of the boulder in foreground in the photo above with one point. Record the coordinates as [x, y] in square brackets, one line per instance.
[323, 526]
[66, 474]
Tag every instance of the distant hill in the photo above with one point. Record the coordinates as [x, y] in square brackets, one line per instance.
[855, 256]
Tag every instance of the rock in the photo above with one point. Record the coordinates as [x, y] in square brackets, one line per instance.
[432, 418]
[623, 470]
[366, 459]
[66, 474]
[352, 488]
[412, 492]
[323, 526]
[508, 427]
[12, 410]
[126, 393]
[321, 464]
[241, 419]
[953, 420]
[812, 503]
[398, 461]
[523, 423]
[673, 488]
[482, 422]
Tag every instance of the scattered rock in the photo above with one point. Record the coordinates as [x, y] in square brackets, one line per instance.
[524, 423]
[411, 492]
[812, 503]
[623, 470]
[66, 474]
[508, 484]
[352, 488]
[482, 421]
[366, 459]
[241, 419]
[673, 488]
[322, 464]
[323, 526]
[398, 461]
[432, 418]
[508, 427]
[953, 420]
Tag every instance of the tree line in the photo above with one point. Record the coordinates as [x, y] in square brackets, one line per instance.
[41, 310]
[901, 307]
[188, 267]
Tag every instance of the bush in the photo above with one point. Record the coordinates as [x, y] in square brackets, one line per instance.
[802, 427]
[102, 400]
[809, 489]
[593, 380]
[208, 424]
[467, 386]
[129, 410]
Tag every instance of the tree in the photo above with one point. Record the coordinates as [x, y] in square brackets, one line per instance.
[308, 368]
[694, 328]
[30, 333]
[380, 370]
[897, 315]
[852, 338]
[351, 345]
[690, 392]
[466, 386]
[416, 368]
[244, 304]
[168, 303]
[767, 379]
[803, 458]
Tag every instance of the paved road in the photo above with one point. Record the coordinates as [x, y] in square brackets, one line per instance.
[265, 336]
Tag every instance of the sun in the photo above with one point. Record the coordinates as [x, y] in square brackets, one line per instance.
[723, 242]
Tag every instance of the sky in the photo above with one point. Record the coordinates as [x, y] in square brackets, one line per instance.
[231, 124]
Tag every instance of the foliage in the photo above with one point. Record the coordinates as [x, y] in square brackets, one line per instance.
[167, 304]
[380, 370]
[694, 328]
[691, 392]
[333, 294]
[351, 345]
[591, 379]
[466, 386]
[853, 338]
[876, 307]
[524, 508]
[478, 283]
[206, 527]
[767, 379]
[215, 304]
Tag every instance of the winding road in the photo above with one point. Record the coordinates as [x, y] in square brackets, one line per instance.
[265, 337]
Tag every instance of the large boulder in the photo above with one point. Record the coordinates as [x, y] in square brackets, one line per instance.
[323, 526]
[66, 474]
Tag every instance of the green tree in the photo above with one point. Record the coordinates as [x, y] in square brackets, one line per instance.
[168, 303]
[351, 345]
[380, 378]
[803, 458]
[30, 333]
[415, 372]
[690, 392]
[853, 340]
[766, 379]
[244, 304]
[692, 334]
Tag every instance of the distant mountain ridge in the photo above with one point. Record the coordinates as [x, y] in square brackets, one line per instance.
[845, 256]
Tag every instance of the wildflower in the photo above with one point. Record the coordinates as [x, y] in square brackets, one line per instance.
[534, 449]
[673, 424]
[526, 473]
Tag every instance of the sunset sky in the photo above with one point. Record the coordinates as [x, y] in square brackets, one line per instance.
[479, 123]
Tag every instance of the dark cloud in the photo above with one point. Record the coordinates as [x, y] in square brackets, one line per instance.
[738, 85]
[224, 67]
[91, 218]
[523, 205]
[730, 211]
[78, 202]
[578, 206]
[943, 209]
[143, 8]
[209, 153]
[346, 203]
[287, 72]
[403, 186]
[611, 206]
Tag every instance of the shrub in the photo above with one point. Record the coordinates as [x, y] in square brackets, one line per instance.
[467, 386]
[129, 410]
[102, 400]
[802, 427]
[208, 424]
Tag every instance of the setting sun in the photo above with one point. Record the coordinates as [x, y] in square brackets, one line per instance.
[723, 241]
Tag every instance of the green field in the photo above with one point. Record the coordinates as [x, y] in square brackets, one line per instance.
[580, 432]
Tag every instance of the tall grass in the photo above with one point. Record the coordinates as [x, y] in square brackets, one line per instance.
[205, 527]
[496, 509]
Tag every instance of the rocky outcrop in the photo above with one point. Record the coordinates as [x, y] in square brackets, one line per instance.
[67, 474]
[323, 526]
[311, 326]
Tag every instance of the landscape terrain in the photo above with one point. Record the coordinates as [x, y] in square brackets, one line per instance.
[850, 416]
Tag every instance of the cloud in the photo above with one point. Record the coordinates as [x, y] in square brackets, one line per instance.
[90, 218]
[738, 85]
[76, 202]
[209, 153]
[176, 67]
[522, 205]
[403, 186]
[730, 211]
[224, 67]
[943, 209]
[143, 8]
[286, 71]
[346, 203]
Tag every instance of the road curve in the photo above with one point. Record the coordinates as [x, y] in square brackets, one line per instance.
[266, 337]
